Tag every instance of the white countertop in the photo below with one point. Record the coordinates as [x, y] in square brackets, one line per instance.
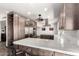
[52, 45]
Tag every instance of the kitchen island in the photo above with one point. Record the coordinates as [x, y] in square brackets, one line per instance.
[50, 45]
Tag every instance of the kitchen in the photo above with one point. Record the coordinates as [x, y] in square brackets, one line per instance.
[43, 29]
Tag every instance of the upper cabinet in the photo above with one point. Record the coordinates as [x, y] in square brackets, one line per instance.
[69, 17]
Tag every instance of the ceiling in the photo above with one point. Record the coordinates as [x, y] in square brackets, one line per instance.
[31, 10]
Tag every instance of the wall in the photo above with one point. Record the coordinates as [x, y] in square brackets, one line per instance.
[28, 30]
[39, 30]
[52, 22]
[46, 32]
[40, 25]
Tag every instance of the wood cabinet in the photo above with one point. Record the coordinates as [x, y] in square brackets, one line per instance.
[15, 29]
[19, 27]
[69, 17]
[9, 29]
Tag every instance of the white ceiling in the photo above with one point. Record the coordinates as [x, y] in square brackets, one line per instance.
[31, 10]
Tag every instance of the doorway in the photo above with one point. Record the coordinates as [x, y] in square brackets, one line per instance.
[3, 31]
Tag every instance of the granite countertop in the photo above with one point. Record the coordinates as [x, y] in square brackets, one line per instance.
[51, 45]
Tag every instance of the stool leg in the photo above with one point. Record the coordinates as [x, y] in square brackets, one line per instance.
[11, 51]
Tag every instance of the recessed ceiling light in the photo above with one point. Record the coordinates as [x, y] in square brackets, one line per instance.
[28, 13]
[45, 9]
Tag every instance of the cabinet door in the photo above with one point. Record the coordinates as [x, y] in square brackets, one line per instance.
[76, 16]
[69, 16]
[21, 27]
[62, 17]
[16, 26]
[62, 21]
[9, 29]
[71, 20]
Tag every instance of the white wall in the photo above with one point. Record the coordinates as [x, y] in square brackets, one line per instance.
[28, 30]
[39, 30]
[40, 25]
[52, 22]
[46, 32]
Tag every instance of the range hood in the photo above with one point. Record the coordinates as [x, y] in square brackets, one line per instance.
[46, 22]
[41, 19]
[69, 17]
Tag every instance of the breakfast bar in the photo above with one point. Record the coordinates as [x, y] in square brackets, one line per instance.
[50, 45]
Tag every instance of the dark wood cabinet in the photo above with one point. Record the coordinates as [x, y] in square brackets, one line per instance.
[9, 29]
